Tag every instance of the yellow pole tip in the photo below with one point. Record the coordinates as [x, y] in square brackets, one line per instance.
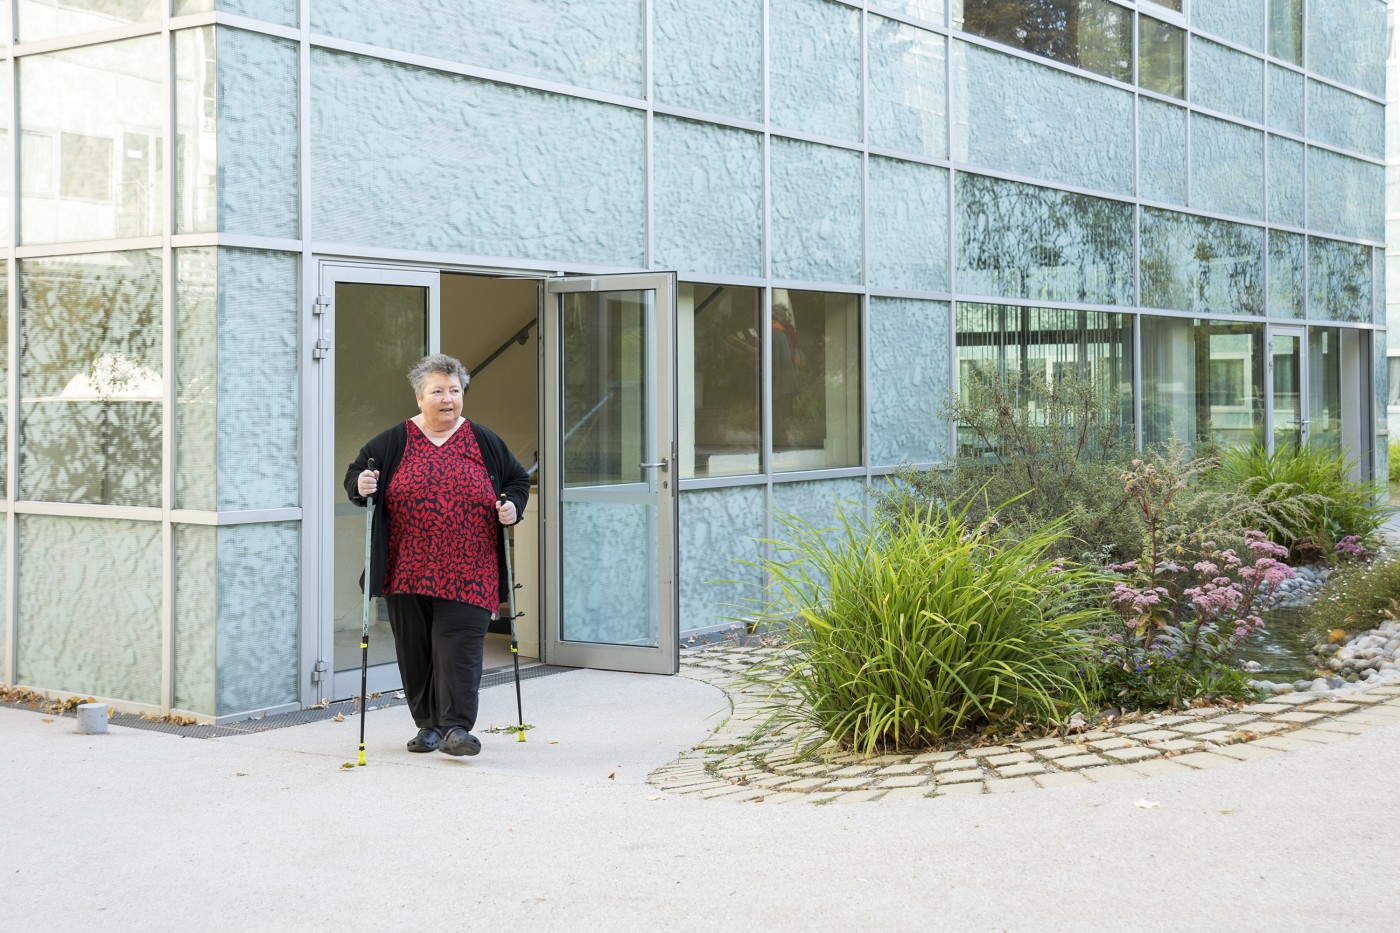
[522, 737]
[362, 759]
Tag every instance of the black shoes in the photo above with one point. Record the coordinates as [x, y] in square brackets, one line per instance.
[427, 740]
[459, 741]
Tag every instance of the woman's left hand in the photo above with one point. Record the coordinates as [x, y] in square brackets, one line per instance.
[505, 511]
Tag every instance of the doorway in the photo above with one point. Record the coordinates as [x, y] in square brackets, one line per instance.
[568, 371]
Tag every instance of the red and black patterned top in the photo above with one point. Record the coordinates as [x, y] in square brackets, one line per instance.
[442, 522]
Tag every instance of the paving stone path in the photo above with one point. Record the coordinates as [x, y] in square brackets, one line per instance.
[744, 762]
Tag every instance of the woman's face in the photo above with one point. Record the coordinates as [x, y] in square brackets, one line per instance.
[441, 401]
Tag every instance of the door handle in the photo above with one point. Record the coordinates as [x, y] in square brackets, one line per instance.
[662, 465]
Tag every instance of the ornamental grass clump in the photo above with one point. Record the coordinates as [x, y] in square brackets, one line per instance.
[908, 628]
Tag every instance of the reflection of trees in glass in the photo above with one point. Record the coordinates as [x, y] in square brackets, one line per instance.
[1091, 34]
[726, 392]
[1161, 57]
[1339, 280]
[90, 380]
[1192, 263]
[1286, 30]
[1023, 241]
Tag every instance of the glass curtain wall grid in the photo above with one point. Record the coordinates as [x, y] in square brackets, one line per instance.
[717, 169]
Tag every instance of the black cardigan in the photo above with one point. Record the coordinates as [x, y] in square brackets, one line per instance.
[507, 476]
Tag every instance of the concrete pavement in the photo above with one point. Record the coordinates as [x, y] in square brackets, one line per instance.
[144, 831]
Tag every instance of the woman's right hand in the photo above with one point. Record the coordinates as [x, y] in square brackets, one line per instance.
[368, 483]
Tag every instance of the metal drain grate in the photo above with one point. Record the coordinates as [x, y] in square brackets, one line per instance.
[493, 678]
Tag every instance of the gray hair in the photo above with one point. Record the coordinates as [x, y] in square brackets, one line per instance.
[437, 363]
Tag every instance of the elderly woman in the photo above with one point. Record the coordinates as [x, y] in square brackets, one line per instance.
[436, 555]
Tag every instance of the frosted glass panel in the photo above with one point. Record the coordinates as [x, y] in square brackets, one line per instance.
[49, 19]
[908, 88]
[816, 503]
[196, 131]
[1240, 21]
[1339, 281]
[814, 77]
[1285, 100]
[89, 600]
[908, 225]
[931, 10]
[598, 44]
[1346, 42]
[709, 56]
[816, 192]
[1379, 293]
[1342, 119]
[4, 595]
[1227, 167]
[283, 12]
[391, 168]
[4, 393]
[258, 137]
[1285, 182]
[1162, 151]
[1345, 196]
[237, 389]
[1052, 140]
[708, 197]
[259, 615]
[609, 592]
[102, 106]
[910, 345]
[90, 378]
[718, 529]
[1021, 241]
[1226, 80]
[1286, 266]
[1199, 264]
[196, 656]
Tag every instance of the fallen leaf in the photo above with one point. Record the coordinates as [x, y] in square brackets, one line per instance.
[322, 705]
[1146, 804]
[612, 776]
[553, 743]
[348, 766]
[241, 774]
[339, 717]
[46, 720]
[654, 797]
[1224, 812]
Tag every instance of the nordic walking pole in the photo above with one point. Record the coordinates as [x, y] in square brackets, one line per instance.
[364, 634]
[514, 645]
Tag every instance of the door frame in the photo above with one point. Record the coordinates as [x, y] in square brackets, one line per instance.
[1300, 333]
[324, 491]
[664, 658]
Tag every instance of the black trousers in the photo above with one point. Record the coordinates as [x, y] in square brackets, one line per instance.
[439, 643]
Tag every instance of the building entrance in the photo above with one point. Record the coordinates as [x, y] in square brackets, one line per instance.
[605, 475]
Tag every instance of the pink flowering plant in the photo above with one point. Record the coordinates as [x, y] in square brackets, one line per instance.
[1184, 610]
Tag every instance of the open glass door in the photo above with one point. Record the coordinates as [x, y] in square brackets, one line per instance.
[374, 325]
[609, 483]
[1288, 390]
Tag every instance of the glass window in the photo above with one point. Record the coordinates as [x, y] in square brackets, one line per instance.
[49, 19]
[1226, 80]
[1192, 263]
[104, 104]
[1325, 387]
[196, 131]
[1169, 4]
[1240, 21]
[1091, 34]
[1286, 274]
[1202, 382]
[1286, 30]
[908, 87]
[708, 198]
[815, 380]
[719, 346]
[909, 380]
[90, 378]
[814, 71]
[709, 56]
[1227, 167]
[1339, 281]
[1023, 241]
[1393, 365]
[1161, 57]
[1020, 344]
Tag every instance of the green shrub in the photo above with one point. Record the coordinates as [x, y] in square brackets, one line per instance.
[909, 627]
[1033, 452]
[1310, 501]
[1395, 461]
[1159, 682]
[1356, 596]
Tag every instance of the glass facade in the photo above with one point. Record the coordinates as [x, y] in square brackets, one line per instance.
[859, 201]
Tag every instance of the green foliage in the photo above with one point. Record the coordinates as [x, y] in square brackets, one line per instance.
[911, 626]
[1033, 453]
[1395, 461]
[1310, 502]
[1159, 682]
[1356, 595]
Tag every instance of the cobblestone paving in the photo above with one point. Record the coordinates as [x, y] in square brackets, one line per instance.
[744, 763]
